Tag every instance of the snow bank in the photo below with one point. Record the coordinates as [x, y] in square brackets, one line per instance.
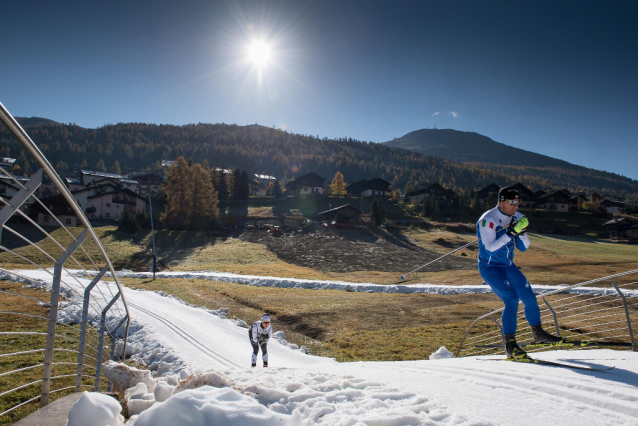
[212, 406]
[263, 281]
[442, 353]
[95, 409]
[126, 377]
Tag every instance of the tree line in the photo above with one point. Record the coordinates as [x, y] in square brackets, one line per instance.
[137, 147]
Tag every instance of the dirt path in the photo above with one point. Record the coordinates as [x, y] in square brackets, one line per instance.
[353, 249]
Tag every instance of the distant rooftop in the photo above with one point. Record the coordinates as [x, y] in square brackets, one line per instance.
[265, 177]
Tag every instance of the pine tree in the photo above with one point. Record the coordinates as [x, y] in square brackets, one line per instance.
[236, 185]
[377, 212]
[338, 185]
[62, 168]
[100, 167]
[222, 188]
[202, 199]
[244, 186]
[276, 189]
[177, 191]
[408, 187]
[115, 168]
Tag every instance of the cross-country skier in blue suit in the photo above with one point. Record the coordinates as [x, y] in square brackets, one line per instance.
[499, 231]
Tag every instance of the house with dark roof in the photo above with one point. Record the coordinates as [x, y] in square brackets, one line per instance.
[527, 197]
[484, 193]
[74, 184]
[308, 184]
[557, 201]
[258, 189]
[7, 163]
[92, 177]
[376, 187]
[576, 202]
[106, 199]
[613, 205]
[620, 227]
[418, 195]
[8, 187]
[147, 183]
[57, 212]
[347, 214]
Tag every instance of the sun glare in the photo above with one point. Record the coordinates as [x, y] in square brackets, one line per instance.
[259, 53]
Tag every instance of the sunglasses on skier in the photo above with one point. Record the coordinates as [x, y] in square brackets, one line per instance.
[265, 322]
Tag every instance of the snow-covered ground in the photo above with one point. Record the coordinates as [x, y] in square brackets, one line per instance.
[201, 358]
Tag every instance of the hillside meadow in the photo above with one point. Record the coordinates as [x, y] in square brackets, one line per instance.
[348, 326]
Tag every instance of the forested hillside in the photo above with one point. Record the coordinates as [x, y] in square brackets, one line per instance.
[130, 147]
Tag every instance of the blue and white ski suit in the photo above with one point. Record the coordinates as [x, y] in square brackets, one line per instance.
[497, 268]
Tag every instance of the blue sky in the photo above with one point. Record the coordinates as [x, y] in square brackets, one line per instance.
[555, 77]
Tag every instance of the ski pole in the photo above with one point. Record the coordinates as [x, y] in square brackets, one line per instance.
[438, 258]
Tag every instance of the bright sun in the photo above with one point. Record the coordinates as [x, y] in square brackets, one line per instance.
[259, 53]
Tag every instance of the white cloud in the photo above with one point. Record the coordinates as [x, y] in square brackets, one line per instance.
[435, 114]
[453, 114]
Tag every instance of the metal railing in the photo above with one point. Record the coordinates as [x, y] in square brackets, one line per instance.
[595, 310]
[53, 341]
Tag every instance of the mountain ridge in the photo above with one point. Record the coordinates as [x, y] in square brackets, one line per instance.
[472, 147]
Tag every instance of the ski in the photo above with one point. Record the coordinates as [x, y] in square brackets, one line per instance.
[564, 344]
[529, 360]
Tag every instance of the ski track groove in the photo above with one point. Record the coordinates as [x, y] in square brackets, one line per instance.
[574, 391]
[188, 338]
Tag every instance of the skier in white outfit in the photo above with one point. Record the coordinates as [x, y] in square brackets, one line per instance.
[259, 334]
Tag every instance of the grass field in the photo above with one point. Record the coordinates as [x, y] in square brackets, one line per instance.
[346, 326]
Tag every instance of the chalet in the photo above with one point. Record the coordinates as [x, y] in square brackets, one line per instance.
[576, 202]
[485, 193]
[7, 163]
[554, 201]
[258, 189]
[527, 197]
[111, 204]
[8, 187]
[348, 214]
[538, 194]
[265, 179]
[59, 212]
[147, 183]
[376, 187]
[108, 200]
[619, 227]
[418, 195]
[90, 177]
[74, 184]
[613, 205]
[310, 183]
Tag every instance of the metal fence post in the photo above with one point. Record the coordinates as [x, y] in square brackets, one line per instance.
[53, 317]
[624, 302]
[109, 388]
[554, 314]
[100, 347]
[85, 315]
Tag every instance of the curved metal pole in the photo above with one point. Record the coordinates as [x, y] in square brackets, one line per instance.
[19, 133]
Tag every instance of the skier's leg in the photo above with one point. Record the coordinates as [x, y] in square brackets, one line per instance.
[264, 353]
[525, 294]
[255, 350]
[496, 278]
